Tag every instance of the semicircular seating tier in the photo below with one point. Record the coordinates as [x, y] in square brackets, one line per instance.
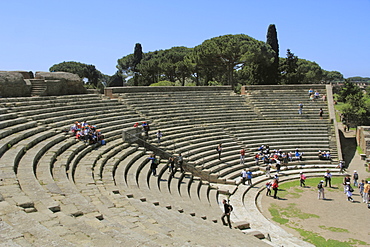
[58, 191]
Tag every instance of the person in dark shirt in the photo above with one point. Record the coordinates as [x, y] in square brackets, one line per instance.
[227, 212]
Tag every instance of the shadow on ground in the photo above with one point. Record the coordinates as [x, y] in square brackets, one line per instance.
[348, 145]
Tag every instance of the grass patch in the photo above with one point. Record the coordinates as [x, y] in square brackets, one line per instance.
[292, 211]
[319, 241]
[276, 215]
[281, 215]
[334, 229]
[359, 150]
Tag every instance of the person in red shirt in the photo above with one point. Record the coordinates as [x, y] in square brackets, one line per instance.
[242, 155]
[275, 187]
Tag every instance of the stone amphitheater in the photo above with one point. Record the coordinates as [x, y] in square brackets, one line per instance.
[57, 191]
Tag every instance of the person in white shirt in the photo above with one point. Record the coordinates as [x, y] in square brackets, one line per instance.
[327, 177]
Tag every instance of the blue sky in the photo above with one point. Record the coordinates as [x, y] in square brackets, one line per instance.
[37, 34]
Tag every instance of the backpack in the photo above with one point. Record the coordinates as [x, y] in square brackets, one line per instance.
[351, 189]
[319, 186]
[231, 208]
[355, 176]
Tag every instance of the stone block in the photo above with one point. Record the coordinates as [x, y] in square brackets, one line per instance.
[54, 209]
[257, 234]
[99, 216]
[77, 214]
[30, 210]
[241, 225]
[24, 202]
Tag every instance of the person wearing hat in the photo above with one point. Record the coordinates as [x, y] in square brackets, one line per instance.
[346, 180]
[320, 188]
[349, 190]
[355, 178]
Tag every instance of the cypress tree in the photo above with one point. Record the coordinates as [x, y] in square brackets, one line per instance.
[138, 55]
[272, 40]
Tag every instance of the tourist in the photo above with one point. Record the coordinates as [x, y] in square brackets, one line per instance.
[355, 179]
[310, 92]
[257, 158]
[146, 129]
[365, 199]
[302, 179]
[275, 186]
[300, 108]
[171, 166]
[348, 190]
[159, 135]
[361, 186]
[317, 94]
[268, 188]
[285, 158]
[153, 164]
[278, 166]
[341, 166]
[321, 190]
[346, 180]
[219, 150]
[180, 161]
[227, 212]
[268, 169]
[327, 177]
[321, 112]
[249, 177]
[242, 155]
[244, 176]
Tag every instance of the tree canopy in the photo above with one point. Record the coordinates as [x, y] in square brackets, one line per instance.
[88, 71]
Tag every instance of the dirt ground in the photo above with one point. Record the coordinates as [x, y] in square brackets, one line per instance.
[338, 219]
[335, 211]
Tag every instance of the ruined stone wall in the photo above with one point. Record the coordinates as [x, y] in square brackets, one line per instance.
[23, 84]
[363, 139]
[12, 84]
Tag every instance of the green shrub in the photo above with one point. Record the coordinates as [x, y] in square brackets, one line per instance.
[162, 84]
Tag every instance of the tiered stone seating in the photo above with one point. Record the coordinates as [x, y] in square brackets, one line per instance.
[66, 190]
[283, 103]
[182, 108]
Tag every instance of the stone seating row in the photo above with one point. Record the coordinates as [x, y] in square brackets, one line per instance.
[53, 173]
[131, 158]
[30, 100]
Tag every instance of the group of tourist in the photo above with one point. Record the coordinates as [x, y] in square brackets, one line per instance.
[274, 185]
[363, 186]
[173, 164]
[324, 155]
[277, 156]
[314, 95]
[87, 133]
